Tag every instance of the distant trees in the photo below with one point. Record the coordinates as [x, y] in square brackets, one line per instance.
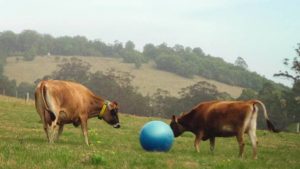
[166, 105]
[130, 55]
[184, 61]
[10, 88]
[30, 43]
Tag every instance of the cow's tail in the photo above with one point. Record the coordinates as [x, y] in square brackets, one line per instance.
[270, 126]
[43, 91]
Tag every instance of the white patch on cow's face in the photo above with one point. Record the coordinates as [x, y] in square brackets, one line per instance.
[227, 128]
[108, 103]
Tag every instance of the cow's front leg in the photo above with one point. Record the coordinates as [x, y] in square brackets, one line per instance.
[212, 144]
[60, 130]
[84, 130]
[198, 140]
[52, 129]
[46, 128]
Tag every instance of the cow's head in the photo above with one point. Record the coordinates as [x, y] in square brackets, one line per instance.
[109, 113]
[177, 128]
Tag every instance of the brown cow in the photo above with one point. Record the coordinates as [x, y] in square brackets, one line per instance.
[222, 119]
[62, 102]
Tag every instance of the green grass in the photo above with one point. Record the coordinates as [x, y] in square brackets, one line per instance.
[23, 145]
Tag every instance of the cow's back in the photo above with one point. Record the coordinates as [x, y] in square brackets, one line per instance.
[68, 97]
[222, 118]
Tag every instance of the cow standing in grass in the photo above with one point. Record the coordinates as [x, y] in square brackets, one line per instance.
[62, 102]
[222, 119]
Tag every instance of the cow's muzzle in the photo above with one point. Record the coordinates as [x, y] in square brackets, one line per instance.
[117, 125]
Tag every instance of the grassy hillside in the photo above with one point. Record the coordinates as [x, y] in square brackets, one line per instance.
[147, 78]
[23, 145]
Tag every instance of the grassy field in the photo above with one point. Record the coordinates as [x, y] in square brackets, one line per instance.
[23, 145]
[147, 78]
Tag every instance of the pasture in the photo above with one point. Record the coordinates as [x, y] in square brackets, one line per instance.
[23, 145]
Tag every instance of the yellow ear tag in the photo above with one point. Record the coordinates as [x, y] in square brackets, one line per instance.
[102, 110]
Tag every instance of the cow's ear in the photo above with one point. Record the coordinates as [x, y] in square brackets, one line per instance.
[174, 118]
[116, 103]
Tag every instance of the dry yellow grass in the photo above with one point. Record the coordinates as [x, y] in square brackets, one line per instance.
[147, 78]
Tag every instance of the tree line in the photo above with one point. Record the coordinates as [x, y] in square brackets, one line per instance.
[184, 61]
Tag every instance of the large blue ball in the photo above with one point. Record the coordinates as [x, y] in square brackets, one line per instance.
[156, 136]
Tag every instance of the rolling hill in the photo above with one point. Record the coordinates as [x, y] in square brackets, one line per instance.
[147, 78]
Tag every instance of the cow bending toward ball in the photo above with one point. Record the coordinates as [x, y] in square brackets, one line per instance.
[62, 102]
[222, 119]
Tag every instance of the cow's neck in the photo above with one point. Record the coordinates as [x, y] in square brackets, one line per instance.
[186, 121]
[96, 105]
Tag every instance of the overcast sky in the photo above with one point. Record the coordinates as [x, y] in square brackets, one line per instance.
[263, 32]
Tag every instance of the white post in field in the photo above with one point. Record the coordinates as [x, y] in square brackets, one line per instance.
[27, 97]
[298, 127]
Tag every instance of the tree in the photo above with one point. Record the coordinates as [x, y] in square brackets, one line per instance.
[240, 62]
[294, 97]
[199, 92]
[74, 70]
[118, 47]
[129, 45]
[294, 66]
[24, 88]
[150, 51]
[29, 54]
[131, 56]
[116, 85]
[7, 87]
[163, 104]
[27, 40]
[198, 51]
[272, 97]
[247, 94]
[8, 43]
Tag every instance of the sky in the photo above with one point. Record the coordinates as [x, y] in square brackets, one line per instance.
[262, 32]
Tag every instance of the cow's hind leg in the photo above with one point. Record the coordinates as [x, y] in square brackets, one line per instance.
[212, 144]
[240, 139]
[252, 135]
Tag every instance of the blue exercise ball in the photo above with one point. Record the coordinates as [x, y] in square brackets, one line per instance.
[156, 136]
